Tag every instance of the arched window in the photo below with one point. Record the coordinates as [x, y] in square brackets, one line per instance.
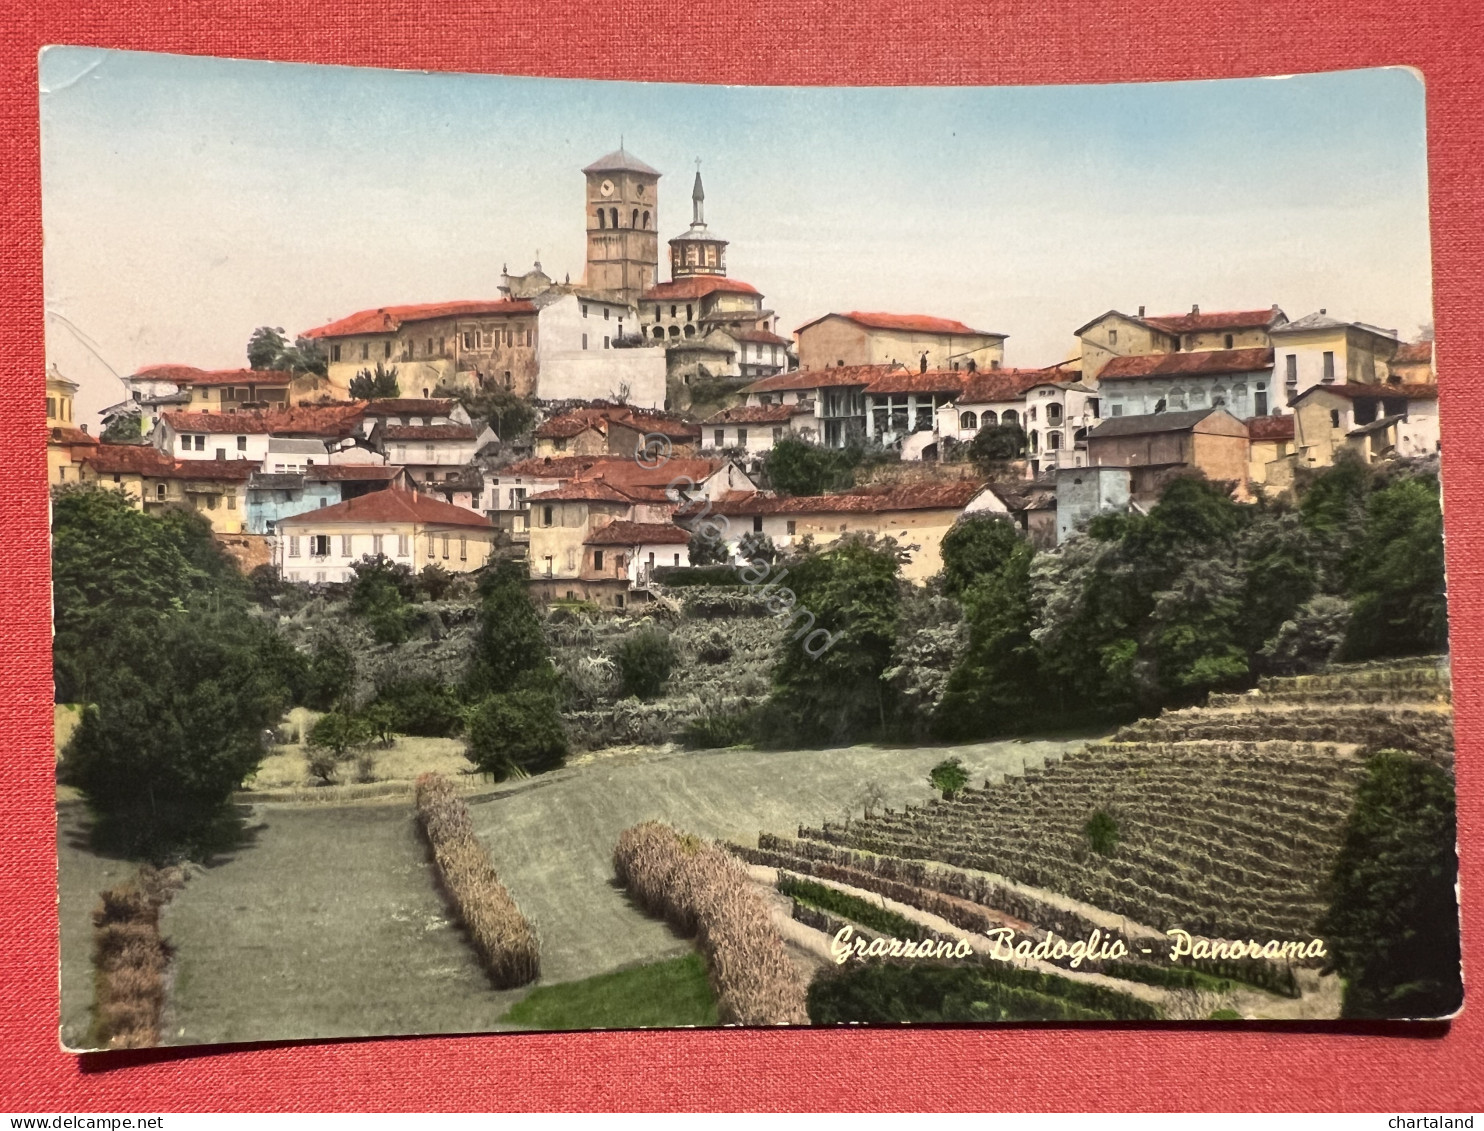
[634, 220]
[674, 331]
[1053, 441]
[988, 420]
[1197, 398]
[613, 217]
[1030, 413]
[1177, 400]
[688, 314]
[602, 219]
[646, 221]
[1053, 414]
[1035, 442]
[1010, 417]
[659, 331]
[690, 331]
[968, 420]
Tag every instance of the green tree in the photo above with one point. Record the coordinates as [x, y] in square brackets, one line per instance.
[334, 738]
[380, 594]
[509, 640]
[995, 445]
[757, 546]
[1400, 604]
[976, 546]
[645, 659]
[268, 348]
[704, 550]
[507, 412]
[843, 605]
[377, 384]
[169, 734]
[948, 777]
[516, 733]
[1392, 924]
[265, 346]
[332, 674]
[796, 467]
[435, 581]
[125, 429]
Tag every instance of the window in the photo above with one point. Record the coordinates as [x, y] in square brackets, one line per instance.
[404, 545]
[242, 443]
[742, 437]
[618, 597]
[200, 443]
[319, 545]
[1115, 409]
[345, 545]
[546, 516]
[232, 502]
[721, 437]
[546, 564]
[606, 341]
[584, 341]
[528, 342]
[969, 421]
[430, 347]
[51, 407]
[1334, 418]
[1228, 341]
[365, 350]
[1329, 366]
[221, 453]
[597, 559]
[1053, 441]
[430, 545]
[777, 435]
[1260, 402]
[319, 578]
[1010, 417]
[1053, 414]
[571, 559]
[160, 494]
[335, 353]
[430, 452]
[185, 443]
[677, 559]
[293, 546]
[1112, 337]
[791, 525]
[757, 523]
[470, 338]
[376, 544]
[584, 310]
[1030, 413]
[606, 313]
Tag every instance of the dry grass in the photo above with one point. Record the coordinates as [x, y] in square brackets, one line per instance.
[702, 891]
[129, 961]
[504, 938]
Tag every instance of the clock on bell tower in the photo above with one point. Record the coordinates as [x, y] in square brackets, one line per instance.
[622, 223]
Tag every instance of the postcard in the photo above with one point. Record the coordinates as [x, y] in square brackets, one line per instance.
[543, 554]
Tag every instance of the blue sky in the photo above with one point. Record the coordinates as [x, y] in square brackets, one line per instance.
[187, 200]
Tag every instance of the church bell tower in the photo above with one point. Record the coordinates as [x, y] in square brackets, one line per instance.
[622, 218]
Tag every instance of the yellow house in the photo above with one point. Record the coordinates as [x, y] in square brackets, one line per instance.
[1115, 334]
[916, 516]
[865, 338]
[66, 443]
[215, 488]
[405, 526]
[1318, 349]
[1270, 452]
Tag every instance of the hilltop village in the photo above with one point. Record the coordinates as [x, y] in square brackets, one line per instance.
[447, 433]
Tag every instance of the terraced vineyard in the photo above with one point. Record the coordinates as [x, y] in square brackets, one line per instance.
[1228, 817]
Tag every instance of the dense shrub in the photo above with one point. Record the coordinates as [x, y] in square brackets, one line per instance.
[332, 674]
[1101, 832]
[796, 467]
[675, 577]
[714, 648]
[756, 546]
[334, 738]
[129, 960]
[1396, 574]
[421, 706]
[706, 550]
[517, 733]
[711, 732]
[644, 661]
[948, 777]
[503, 937]
[380, 594]
[701, 890]
[509, 640]
[1392, 924]
[870, 915]
[886, 993]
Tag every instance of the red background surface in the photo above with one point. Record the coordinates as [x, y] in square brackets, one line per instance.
[861, 42]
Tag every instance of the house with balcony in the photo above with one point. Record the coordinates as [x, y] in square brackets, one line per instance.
[838, 395]
[322, 545]
[1240, 381]
[622, 557]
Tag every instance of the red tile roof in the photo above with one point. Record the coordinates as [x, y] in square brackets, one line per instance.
[427, 432]
[212, 469]
[765, 337]
[1417, 391]
[66, 434]
[759, 414]
[639, 534]
[926, 496]
[129, 459]
[1270, 428]
[190, 375]
[567, 425]
[697, 286]
[615, 469]
[990, 386]
[1196, 363]
[303, 420]
[829, 378]
[933, 381]
[1214, 320]
[588, 490]
[909, 323]
[410, 406]
[389, 319]
[575, 421]
[1413, 353]
[391, 505]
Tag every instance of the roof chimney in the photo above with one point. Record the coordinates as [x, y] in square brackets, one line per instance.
[1141, 312]
[1323, 311]
[1195, 309]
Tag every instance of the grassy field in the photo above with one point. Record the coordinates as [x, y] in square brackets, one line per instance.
[287, 766]
[669, 994]
[327, 921]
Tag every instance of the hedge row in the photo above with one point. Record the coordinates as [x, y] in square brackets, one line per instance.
[850, 907]
[700, 890]
[129, 960]
[505, 939]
